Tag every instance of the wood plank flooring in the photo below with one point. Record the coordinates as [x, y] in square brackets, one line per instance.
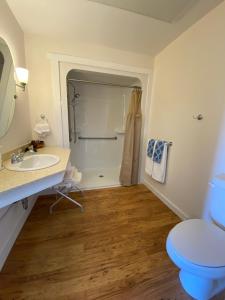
[114, 250]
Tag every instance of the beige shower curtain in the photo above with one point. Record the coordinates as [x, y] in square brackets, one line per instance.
[131, 148]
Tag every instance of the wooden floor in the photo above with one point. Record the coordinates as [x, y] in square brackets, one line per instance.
[114, 250]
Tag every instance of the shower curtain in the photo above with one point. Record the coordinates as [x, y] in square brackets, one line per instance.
[131, 147]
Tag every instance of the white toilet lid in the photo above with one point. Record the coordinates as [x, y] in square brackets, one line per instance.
[199, 242]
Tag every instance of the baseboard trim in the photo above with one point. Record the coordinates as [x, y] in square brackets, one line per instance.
[179, 212]
[17, 228]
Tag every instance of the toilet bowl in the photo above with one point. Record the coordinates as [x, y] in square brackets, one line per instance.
[197, 248]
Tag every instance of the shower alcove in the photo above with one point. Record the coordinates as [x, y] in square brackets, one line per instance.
[100, 111]
[97, 108]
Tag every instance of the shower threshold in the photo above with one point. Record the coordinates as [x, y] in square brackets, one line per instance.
[100, 178]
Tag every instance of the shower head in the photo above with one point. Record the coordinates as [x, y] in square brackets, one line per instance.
[75, 99]
[72, 99]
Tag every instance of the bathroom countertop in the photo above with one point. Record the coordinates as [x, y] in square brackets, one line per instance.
[13, 179]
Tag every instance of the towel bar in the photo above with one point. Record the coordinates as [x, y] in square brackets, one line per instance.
[97, 138]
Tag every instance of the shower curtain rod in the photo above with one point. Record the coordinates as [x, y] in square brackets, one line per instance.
[104, 83]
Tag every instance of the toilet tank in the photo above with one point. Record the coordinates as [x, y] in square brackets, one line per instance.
[217, 201]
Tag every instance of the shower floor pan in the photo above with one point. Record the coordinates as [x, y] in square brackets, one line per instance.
[100, 178]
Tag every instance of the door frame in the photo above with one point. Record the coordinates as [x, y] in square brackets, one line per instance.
[62, 64]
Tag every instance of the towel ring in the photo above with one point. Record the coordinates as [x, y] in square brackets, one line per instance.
[198, 117]
[44, 118]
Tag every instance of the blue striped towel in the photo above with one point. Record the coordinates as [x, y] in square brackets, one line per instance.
[158, 153]
[150, 148]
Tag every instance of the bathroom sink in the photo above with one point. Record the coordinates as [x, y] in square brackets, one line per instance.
[33, 162]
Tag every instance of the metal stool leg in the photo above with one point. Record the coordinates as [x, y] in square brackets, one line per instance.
[63, 195]
[72, 200]
[51, 207]
[78, 189]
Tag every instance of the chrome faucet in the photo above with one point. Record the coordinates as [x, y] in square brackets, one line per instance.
[16, 158]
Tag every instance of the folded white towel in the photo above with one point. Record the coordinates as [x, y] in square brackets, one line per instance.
[42, 129]
[72, 177]
[148, 165]
[69, 173]
[159, 170]
[149, 161]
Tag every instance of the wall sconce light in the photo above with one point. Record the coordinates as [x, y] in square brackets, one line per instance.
[22, 77]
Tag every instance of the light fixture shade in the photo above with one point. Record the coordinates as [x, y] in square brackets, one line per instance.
[22, 75]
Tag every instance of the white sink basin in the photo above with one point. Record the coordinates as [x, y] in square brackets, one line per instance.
[33, 162]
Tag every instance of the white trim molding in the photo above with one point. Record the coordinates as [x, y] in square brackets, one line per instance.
[179, 212]
[60, 66]
[95, 63]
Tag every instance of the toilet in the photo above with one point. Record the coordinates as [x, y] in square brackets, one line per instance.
[197, 247]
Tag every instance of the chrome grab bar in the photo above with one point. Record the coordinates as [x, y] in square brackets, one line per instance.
[97, 138]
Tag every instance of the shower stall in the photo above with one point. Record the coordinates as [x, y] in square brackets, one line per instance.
[97, 108]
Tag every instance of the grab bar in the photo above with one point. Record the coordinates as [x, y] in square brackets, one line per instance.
[97, 138]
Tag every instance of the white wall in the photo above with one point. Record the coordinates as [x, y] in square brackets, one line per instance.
[40, 85]
[99, 113]
[12, 219]
[13, 35]
[189, 78]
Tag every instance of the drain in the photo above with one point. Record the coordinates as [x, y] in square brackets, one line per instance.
[101, 176]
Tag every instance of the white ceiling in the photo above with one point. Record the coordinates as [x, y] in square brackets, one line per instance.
[94, 23]
[164, 10]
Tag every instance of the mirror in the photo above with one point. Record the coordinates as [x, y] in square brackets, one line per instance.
[7, 88]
